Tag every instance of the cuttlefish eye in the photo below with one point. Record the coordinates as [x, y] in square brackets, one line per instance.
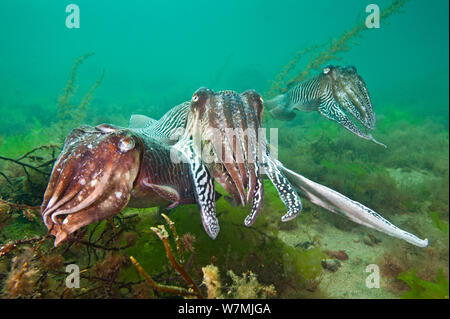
[326, 70]
[195, 98]
[126, 144]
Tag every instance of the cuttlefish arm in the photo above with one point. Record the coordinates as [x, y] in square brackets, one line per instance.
[203, 186]
[188, 149]
[284, 188]
[220, 143]
[91, 180]
[340, 204]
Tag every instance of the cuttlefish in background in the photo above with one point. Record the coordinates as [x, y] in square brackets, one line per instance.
[162, 162]
[338, 93]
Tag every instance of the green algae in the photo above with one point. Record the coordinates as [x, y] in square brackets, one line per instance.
[306, 263]
[423, 289]
[439, 223]
[20, 228]
[237, 248]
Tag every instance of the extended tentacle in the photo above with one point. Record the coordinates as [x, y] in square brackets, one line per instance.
[340, 204]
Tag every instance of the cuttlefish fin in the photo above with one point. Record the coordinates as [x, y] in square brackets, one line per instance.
[140, 121]
[340, 204]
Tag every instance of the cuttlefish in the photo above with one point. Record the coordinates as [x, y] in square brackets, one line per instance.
[338, 94]
[177, 160]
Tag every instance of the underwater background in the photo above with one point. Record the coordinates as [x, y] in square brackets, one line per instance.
[152, 55]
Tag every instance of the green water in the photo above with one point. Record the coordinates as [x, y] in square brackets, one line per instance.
[155, 54]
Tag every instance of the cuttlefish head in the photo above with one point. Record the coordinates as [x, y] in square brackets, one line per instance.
[225, 126]
[350, 91]
[349, 101]
[91, 179]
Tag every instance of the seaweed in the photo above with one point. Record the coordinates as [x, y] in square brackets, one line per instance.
[263, 254]
[248, 287]
[318, 55]
[25, 178]
[245, 286]
[305, 265]
[36, 268]
[68, 114]
[423, 289]
[439, 223]
[162, 234]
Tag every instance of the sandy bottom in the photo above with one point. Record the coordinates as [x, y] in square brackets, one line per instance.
[334, 233]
